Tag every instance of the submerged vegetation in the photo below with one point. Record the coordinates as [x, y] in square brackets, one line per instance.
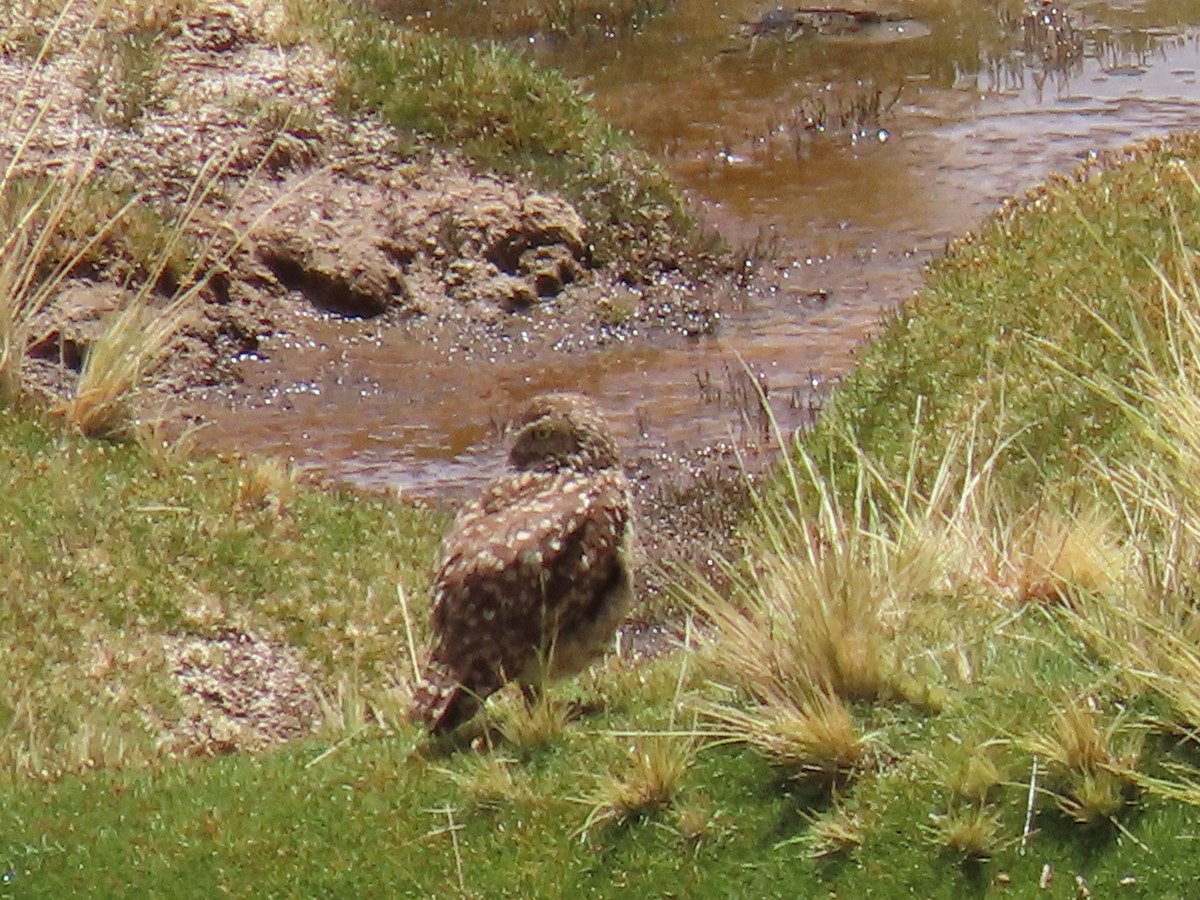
[559, 22]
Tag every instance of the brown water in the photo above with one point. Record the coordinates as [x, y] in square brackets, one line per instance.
[841, 165]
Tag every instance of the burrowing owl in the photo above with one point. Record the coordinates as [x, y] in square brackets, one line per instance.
[535, 574]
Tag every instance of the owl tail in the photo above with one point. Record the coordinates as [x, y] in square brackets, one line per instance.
[441, 704]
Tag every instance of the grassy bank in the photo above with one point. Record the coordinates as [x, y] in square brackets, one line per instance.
[114, 552]
[1060, 284]
[961, 659]
[661, 791]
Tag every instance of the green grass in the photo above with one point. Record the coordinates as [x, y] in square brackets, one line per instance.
[982, 558]
[1066, 267]
[342, 818]
[108, 554]
[112, 547]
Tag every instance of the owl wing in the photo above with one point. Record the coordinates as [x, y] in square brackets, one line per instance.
[524, 562]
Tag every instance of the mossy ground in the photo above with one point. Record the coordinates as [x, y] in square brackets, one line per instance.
[1068, 267]
[374, 815]
[109, 550]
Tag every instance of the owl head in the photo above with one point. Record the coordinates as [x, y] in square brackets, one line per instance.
[563, 431]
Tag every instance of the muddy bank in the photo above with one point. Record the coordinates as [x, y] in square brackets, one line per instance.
[229, 135]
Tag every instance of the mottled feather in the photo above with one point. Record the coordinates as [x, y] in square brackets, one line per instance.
[534, 574]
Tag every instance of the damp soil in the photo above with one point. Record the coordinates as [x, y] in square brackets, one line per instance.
[318, 230]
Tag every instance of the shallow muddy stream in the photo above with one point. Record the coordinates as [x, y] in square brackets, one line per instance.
[837, 165]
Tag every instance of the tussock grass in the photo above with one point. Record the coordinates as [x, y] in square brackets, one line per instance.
[33, 261]
[853, 601]
[976, 779]
[647, 783]
[1080, 743]
[63, 225]
[1149, 631]
[136, 338]
[696, 823]
[527, 727]
[87, 227]
[140, 335]
[491, 782]
[972, 833]
[1055, 556]
[268, 484]
[906, 600]
[814, 739]
[834, 833]
[817, 610]
[67, 225]
[1093, 764]
[844, 588]
[354, 704]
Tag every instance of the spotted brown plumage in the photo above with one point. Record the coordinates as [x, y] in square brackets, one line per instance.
[534, 575]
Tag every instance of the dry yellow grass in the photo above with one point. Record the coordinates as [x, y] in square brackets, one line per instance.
[267, 484]
[972, 833]
[30, 229]
[649, 782]
[834, 832]
[528, 726]
[1146, 626]
[137, 338]
[976, 779]
[51, 225]
[1049, 556]
[1092, 763]
[813, 739]
[488, 782]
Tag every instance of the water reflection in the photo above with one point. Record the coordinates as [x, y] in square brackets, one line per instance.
[838, 167]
